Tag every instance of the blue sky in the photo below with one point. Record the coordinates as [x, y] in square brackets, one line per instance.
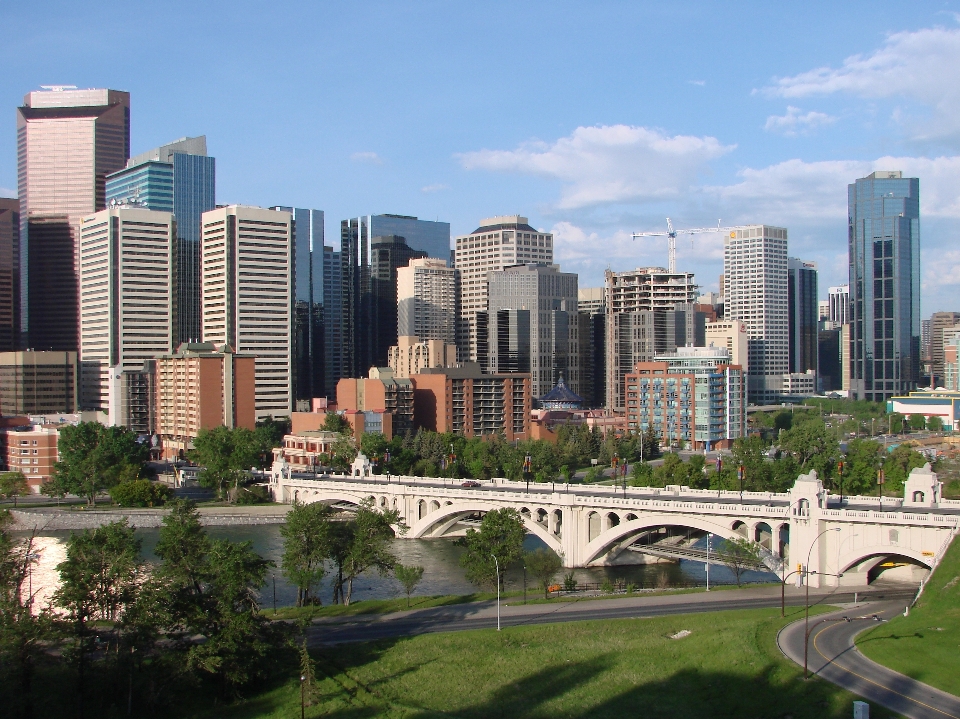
[593, 119]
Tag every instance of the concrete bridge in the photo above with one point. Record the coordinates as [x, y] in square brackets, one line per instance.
[861, 539]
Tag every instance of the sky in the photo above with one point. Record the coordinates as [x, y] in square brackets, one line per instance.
[595, 120]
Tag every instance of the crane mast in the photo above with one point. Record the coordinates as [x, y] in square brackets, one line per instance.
[671, 235]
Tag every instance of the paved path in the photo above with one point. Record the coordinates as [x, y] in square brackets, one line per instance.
[833, 656]
[483, 615]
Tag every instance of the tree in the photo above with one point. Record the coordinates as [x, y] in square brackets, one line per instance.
[306, 544]
[917, 421]
[898, 464]
[14, 484]
[642, 475]
[225, 455]
[92, 457]
[544, 565]
[140, 493]
[501, 535]
[739, 555]
[809, 439]
[371, 531]
[308, 676]
[409, 577]
[333, 422]
[864, 457]
[935, 424]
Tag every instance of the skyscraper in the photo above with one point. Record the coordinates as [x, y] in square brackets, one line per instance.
[839, 300]
[364, 286]
[127, 302]
[499, 242]
[550, 296]
[68, 141]
[178, 178]
[884, 252]
[755, 292]
[9, 274]
[427, 299]
[333, 363]
[308, 309]
[592, 311]
[940, 322]
[247, 262]
[803, 314]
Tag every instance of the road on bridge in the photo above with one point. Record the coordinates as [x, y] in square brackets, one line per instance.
[833, 656]
[483, 615]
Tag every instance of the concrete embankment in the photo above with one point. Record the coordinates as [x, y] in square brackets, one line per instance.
[54, 519]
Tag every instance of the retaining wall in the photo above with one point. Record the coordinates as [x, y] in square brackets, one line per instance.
[48, 520]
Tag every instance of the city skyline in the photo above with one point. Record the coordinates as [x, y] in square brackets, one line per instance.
[796, 136]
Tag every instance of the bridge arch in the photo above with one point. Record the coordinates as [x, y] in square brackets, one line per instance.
[423, 525]
[606, 539]
[309, 495]
[861, 555]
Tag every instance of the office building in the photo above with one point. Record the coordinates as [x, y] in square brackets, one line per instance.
[332, 318]
[731, 334]
[363, 293]
[884, 229]
[951, 359]
[387, 255]
[823, 314]
[247, 261]
[928, 403]
[592, 310]
[9, 274]
[838, 299]
[755, 292]
[693, 398]
[68, 141]
[940, 323]
[925, 340]
[498, 242]
[178, 178]
[38, 383]
[465, 401]
[31, 449]
[803, 314]
[829, 369]
[200, 387]
[550, 297]
[309, 375]
[411, 355]
[649, 311]
[428, 294]
[380, 393]
[127, 301]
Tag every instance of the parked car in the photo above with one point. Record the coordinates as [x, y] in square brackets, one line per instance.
[470, 483]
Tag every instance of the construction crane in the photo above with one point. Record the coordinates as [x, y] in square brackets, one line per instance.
[671, 235]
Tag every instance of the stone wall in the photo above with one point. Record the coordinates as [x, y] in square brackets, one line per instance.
[49, 520]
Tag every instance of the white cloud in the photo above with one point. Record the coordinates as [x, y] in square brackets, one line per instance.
[699, 83]
[607, 164]
[945, 272]
[923, 66]
[434, 188]
[796, 121]
[369, 157]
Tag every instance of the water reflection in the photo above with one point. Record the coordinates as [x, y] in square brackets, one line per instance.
[439, 558]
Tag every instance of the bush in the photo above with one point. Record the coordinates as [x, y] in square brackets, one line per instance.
[140, 493]
[256, 494]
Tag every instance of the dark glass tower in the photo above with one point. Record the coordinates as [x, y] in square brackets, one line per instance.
[803, 314]
[178, 178]
[884, 246]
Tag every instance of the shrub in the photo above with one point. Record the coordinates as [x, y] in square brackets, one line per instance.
[140, 493]
[257, 494]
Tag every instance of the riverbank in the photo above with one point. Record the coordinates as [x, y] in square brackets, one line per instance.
[77, 517]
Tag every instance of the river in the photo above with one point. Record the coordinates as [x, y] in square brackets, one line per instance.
[439, 558]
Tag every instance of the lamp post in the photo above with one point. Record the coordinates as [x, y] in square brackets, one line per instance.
[806, 609]
[840, 479]
[303, 680]
[498, 589]
[528, 470]
[708, 561]
[741, 471]
[881, 480]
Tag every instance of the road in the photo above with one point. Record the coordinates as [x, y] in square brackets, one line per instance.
[833, 656]
[483, 615]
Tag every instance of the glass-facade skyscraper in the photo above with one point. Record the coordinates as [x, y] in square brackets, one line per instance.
[178, 178]
[68, 141]
[884, 247]
[803, 314]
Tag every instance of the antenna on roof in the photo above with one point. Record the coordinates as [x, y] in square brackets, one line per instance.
[58, 88]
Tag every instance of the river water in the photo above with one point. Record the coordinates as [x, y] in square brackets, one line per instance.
[439, 558]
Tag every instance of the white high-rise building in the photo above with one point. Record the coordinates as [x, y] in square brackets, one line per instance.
[731, 334]
[838, 300]
[755, 290]
[427, 297]
[499, 242]
[127, 304]
[247, 275]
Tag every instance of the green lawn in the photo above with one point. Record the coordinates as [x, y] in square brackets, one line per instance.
[728, 667]
[924, 645]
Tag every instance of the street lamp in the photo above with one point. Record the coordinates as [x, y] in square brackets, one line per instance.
[498, 589]
[881, 480]
[303, 680]
[740, 474]
[840, 478]
[806, 611]
[528, 470]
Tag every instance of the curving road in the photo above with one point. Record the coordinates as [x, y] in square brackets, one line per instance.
[833, 656]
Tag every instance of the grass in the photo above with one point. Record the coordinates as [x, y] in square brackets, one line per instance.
[924, 644]
[728, 666]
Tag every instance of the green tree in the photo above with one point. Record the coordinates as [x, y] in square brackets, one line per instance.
[92, 458]
[140, 493]
[917, 421]
[897, 466]
[641, 476]
[225, 455]
[344, 452]
[369, 546]
[14, 484]
[808, 440]
[864, 457]
[306, 544]
[750, 453]
[409, 578]
[543, 564]
[935, 424]
[501, 535]
[308, 677]
[740, 555]
[333, 422]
